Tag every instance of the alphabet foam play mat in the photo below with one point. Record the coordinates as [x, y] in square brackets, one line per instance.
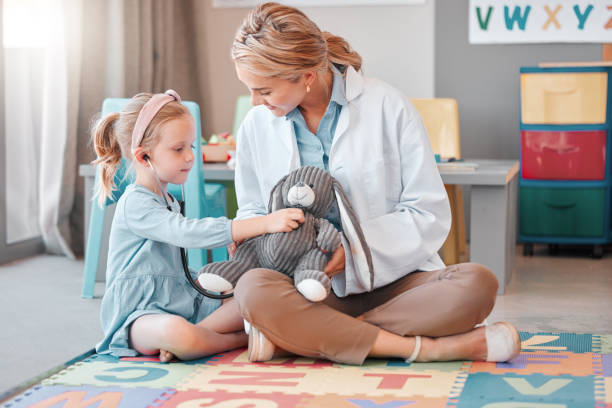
[552, 371]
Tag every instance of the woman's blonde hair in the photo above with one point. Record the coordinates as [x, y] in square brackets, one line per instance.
[111, 137]
[280, 41]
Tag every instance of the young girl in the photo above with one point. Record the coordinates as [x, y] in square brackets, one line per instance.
[149, 307]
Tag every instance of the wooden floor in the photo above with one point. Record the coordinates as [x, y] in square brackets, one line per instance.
[45, 322]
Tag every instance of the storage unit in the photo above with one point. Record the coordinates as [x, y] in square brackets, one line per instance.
[566, 138]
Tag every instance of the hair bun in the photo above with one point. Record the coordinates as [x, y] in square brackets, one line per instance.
[279, 41]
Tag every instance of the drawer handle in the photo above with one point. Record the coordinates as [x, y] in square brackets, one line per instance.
[563, 150]
[560, 91]
[560, 85]
[559, 206]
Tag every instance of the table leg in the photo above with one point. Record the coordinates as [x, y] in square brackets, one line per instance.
[88, 194]
[493, 229]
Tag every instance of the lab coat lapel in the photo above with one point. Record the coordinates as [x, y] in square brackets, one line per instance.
[354, 84]
[287, 149]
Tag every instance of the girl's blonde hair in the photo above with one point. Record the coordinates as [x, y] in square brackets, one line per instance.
[282, 42]
[111, 137]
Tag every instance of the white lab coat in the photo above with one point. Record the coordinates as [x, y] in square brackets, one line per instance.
[382, 156]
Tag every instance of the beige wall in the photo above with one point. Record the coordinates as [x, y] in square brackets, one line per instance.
[396, 43]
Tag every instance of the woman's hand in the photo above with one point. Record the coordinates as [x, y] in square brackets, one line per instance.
[284, 220]
[336, 263]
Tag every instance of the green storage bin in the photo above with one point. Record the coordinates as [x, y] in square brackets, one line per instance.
[562, 212]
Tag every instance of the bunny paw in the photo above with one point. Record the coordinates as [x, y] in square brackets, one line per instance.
[312, 290]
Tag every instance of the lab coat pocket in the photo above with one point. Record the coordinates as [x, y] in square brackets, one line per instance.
[383, 183]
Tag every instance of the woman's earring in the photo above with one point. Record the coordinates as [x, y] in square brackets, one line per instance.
[307, 88]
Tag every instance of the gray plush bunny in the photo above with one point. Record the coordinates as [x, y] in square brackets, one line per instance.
[302, 253]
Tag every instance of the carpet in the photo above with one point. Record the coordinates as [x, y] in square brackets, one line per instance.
[553, 371]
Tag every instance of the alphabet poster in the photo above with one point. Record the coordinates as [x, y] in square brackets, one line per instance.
[317, 3]
[540, 21]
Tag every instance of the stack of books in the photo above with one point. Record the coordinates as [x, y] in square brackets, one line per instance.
[452, 164]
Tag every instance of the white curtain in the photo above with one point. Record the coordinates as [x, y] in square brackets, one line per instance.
[42, 80]
[66, 57]
[23, 78]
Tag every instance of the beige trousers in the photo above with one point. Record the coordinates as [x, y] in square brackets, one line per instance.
[433, 304]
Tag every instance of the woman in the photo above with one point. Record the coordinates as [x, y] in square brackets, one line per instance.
[313, 107]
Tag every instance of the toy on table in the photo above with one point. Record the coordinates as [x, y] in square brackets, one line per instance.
[302, 253]
[218, 148]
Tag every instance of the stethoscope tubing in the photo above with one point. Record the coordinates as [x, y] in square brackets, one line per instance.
[194, 284]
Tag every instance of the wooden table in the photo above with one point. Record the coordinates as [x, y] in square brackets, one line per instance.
[493, 208]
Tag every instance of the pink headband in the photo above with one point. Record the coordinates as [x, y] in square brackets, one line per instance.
[148, 112]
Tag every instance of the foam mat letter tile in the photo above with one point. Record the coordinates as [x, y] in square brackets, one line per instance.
[450, 366]
[366, 401]
[330, 380]
[608, 389]
[606, 361]
[85, 396]
[240, 358]
[541, 362]
[224, 399]
[123, 374]
[484, 388]
[573, 342]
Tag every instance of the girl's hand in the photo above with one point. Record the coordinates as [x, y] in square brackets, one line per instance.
[336, 263]
[231, 248]
[284, 220]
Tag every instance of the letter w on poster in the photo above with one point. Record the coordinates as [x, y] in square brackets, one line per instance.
[540, 21]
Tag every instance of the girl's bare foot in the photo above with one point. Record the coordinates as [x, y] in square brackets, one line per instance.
[165, 356]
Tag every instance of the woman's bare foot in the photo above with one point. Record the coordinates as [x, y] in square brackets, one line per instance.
[165, 356]
[497, 342]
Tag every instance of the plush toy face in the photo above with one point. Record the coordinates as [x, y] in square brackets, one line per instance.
[309, 188]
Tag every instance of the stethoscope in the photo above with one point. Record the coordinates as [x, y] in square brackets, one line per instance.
[193, 283]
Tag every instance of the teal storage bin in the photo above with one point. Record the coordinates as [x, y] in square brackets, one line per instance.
[562, 212]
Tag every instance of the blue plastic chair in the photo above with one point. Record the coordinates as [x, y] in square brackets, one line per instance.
[201, 200]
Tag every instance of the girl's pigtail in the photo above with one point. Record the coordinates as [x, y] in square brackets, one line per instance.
[109, 155]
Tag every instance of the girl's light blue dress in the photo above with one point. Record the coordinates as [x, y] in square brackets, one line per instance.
[144, 272]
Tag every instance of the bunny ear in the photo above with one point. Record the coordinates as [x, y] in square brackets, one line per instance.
[276, 196]
[362, 258]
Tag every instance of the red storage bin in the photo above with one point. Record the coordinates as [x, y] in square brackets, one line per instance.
[571, 155]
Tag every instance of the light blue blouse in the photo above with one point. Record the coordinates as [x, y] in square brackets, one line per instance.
[144, 272]
[314, 149]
